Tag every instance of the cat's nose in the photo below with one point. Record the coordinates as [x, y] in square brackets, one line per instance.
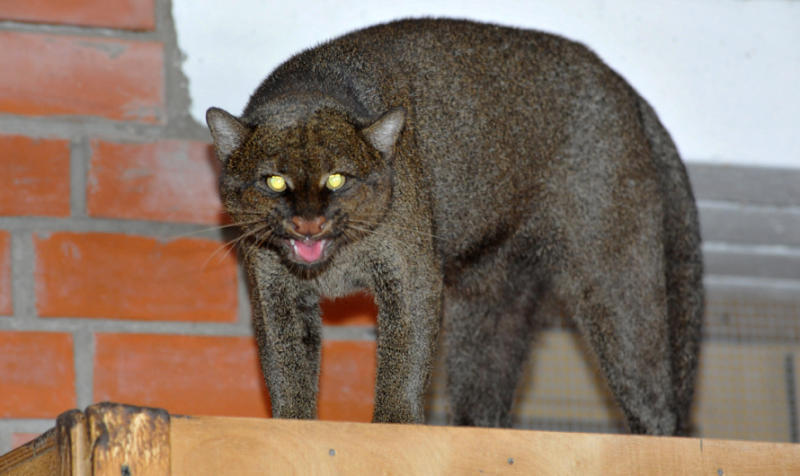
[308, 227]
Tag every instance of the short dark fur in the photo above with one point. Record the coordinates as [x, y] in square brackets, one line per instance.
[488, 169]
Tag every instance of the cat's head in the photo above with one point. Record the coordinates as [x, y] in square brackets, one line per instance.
[306, 184]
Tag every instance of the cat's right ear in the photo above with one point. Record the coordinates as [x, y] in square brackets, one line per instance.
[228, 133]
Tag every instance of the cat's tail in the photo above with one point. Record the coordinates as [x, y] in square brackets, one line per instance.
[684, 263]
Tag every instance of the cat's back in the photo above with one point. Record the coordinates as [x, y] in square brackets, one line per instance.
[424, 63]
[498, 115]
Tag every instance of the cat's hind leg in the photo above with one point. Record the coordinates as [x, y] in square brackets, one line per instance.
[620, 308]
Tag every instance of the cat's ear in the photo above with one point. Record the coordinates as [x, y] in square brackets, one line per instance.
[383, 133]
[228, 133]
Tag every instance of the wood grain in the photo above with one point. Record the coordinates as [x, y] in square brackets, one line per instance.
[207, 446]
[38, 457]
[113, 439]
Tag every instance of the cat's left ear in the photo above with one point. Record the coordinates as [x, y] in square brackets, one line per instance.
[228, 133]
[383, 133]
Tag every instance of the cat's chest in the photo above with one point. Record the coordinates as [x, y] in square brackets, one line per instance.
[346, 275]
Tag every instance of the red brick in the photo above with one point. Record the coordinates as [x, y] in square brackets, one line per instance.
[6, 307]
[37, 374]
[19, 439]
[347, 381]
[193, 375]
[132, 277]
[354, 310]
[125, 14]
[166, 181]
[49, 74]
[35, 177]
[201, 375]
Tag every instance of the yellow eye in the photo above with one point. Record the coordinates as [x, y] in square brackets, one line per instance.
[276, 183]
[335, 181]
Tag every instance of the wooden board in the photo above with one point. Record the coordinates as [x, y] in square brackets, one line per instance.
[112, 439]
[38, 457]
[209, 446]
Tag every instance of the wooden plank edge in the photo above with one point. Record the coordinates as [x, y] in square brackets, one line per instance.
[110, 438]
[213, 445]
[30, 454]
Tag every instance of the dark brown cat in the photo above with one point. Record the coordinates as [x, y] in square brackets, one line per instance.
[463, 172]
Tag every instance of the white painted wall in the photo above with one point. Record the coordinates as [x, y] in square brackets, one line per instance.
[724, 75]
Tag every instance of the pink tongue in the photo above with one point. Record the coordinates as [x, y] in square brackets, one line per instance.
[310, 250]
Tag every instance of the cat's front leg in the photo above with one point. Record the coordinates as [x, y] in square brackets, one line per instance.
[287, 324]
[408, 296]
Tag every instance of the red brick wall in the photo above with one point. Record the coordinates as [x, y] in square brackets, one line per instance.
[112, 285]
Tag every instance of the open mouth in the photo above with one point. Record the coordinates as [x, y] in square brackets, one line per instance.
[308, 251]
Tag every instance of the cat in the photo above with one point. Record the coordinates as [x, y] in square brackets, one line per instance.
[463, 173]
